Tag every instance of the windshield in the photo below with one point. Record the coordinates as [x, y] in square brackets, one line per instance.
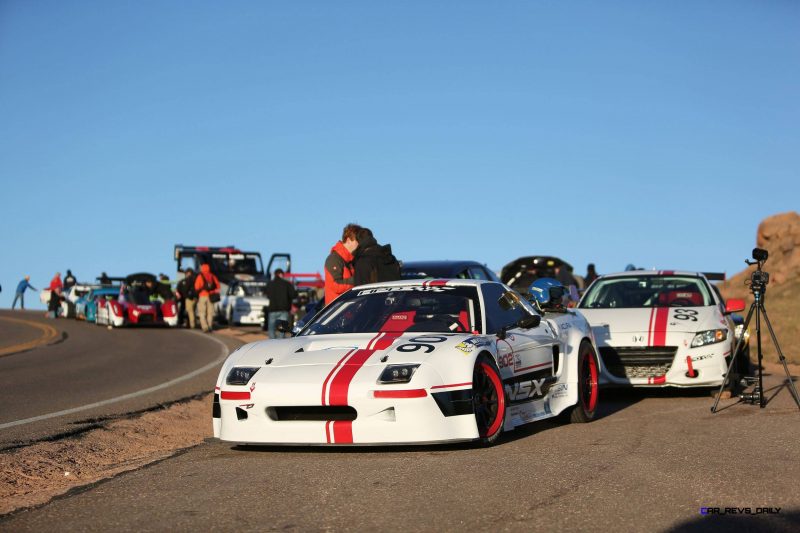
[223, 263]
[252, 289]
[439, 309]
[647, 291]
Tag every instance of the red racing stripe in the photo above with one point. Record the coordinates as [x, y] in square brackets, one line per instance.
[650, 327]
[452, 385]
[343, 432]
[403, 393]
[331, 373]
[660, 327]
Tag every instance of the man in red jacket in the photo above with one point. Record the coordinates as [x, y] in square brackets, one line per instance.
[207, 286]
[339, 264]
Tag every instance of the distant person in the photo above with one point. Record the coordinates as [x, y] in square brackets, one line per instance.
[187, 298]
[158, 291]
[373, 263]
[56, 288]
[207, 286]
[339, 264]
[20, 295]
[69, 280]
[591, 274]
[104, 279]
[280, 293]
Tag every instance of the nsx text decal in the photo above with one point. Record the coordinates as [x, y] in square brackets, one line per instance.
[407, 288]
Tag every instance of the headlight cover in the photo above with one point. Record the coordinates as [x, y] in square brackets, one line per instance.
[711, 336]
[397, 374]
[241, 375]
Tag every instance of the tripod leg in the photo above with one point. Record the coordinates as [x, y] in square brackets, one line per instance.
[733, 356]
[780, 356]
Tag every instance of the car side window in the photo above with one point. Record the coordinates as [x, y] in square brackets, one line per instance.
[477, 273]
[497, 317]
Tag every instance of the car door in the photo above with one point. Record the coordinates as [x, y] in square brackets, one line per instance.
[522, 354]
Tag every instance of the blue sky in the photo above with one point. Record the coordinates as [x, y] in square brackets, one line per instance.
[654, 133]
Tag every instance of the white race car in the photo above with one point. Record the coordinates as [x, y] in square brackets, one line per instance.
[244, 302]
[415, 361]
[660, 328]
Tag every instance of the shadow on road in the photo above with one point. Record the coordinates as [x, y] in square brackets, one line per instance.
[783, 521]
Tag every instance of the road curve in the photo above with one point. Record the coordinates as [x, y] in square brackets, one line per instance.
[96, 373]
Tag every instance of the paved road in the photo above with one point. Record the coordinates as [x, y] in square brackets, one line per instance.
[95, 365]
[648, 464]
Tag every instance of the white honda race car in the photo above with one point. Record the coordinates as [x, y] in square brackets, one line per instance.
[660, 328]
[415, 361]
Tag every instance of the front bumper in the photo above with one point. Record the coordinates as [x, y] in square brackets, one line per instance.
[704, 366]
[366, 420]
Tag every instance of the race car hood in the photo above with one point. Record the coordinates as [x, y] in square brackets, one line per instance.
[329, 350]
[653, 320]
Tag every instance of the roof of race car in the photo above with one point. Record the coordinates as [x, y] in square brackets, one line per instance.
[455, 265]
[428, 282]
[656, 273]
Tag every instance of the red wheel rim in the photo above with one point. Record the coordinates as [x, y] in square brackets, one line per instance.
[589, 381]
[488, 400]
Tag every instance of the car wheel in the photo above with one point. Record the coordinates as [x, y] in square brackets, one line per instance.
[488, 401]
[588, 388]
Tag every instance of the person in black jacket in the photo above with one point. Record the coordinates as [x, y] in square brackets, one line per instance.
[187, 298]
[372, 262]
[280, 293]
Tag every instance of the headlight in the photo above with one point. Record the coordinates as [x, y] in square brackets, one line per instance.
[711, 336]
[241, 375]
[397, 374]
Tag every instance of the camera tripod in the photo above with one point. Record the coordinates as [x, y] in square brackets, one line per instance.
[758, 286]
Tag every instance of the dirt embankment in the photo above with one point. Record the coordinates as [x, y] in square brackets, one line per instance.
[33, 475]
[780, 236]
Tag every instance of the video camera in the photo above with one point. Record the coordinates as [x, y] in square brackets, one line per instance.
[759, 278]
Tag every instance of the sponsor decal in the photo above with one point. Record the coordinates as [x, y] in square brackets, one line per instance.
[467, 345]
[638, 339]
[409, 288]
[702, 357]
[508, 360]
[559, 390]
[739, 510]
[252, 386]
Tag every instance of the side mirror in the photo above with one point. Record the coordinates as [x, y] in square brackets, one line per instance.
[734, 305]
[528, 322]
[282, 326]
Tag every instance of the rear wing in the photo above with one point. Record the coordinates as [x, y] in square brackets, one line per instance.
[310, 280]
[715, 276]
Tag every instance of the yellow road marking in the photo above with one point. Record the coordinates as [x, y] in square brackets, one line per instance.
[49, 334]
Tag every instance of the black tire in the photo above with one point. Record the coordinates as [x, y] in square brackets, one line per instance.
[588, 388]
[488, 400]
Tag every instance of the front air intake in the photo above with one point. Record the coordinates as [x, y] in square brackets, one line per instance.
[320, 413]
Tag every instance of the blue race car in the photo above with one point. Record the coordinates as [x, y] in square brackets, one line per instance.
[86, 306]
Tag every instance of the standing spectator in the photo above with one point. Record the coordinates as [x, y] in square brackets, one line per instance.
[591, 274]
[56, 284]
[69, 280]
[280, 293]
[20, 295]
[339, 264]
[207, 286]
[56, 287]
[187, 297]
[372, 262]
